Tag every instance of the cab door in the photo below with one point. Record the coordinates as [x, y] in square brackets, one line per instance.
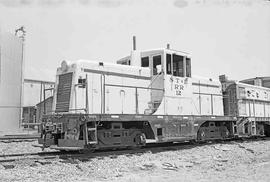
[157, 82]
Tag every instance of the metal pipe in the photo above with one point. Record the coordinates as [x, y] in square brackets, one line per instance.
[112, 85]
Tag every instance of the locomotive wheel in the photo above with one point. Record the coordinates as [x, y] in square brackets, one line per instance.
[201, 135]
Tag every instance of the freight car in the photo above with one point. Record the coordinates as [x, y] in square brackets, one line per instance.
[250, 104]
[149, 96]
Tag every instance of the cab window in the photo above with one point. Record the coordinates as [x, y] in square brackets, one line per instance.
[125, 62]
[156, 64]
[169, 63]
[145, 61]
[178, 65]
[188, 67]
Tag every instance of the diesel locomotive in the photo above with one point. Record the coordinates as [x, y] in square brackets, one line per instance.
[149, 96]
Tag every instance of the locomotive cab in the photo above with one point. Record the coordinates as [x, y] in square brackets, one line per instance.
[166, 66]
[174, 91]
[170, 72]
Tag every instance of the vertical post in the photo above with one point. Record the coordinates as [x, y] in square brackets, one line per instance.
[86, 109]
[200, 106]
[86, 132]
[22, 82]
[136, 100]
[44, 99]
[40, 94]
[40, 100]
[86, 95]
[22, 37]
[103, 94]
[0, 62]
[264, 114]
[185, 66]
[254, 110]
[249, 108]
[212, 109]
[75, 95]
[28, 127]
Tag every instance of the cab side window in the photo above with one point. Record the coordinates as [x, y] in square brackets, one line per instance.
[156, 64]
[188, 67]
[178, 65]
[125, 62]
[169, 63]
[145, 61]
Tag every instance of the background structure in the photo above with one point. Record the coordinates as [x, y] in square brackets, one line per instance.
[11, 82]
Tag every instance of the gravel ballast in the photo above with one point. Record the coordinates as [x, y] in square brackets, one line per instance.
[229, 161]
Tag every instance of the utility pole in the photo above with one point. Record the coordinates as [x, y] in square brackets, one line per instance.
[20, 32]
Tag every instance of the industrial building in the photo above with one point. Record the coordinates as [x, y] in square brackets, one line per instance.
[11, 82]
[35, 92]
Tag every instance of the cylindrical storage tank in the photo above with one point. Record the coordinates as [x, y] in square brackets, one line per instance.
[11, 80]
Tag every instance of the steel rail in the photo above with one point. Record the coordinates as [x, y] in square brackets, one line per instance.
[88, 155]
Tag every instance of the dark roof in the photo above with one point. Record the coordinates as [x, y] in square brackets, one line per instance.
[251, 79]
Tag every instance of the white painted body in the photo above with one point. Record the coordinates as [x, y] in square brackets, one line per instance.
[118, 99]
[191, 96]
[254, 101]
[112, 89]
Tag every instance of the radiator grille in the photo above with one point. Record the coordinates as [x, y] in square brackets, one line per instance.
[63, 93]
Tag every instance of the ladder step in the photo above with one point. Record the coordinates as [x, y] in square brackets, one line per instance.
[91, 129]
[93, 142]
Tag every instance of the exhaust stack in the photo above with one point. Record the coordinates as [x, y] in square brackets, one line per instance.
[134, 43]
[135, 57]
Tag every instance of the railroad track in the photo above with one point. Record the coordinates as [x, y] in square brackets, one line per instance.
[9, 158]
[19, 138]
[26, 156]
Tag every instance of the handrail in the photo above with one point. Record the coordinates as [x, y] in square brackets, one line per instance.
[112, 85]
[155, 77]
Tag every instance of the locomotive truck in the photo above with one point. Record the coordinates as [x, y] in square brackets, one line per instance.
[150, 96]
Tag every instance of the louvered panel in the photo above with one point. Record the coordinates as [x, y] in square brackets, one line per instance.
[63, 93]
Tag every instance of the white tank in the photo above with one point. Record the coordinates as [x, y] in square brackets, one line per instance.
[11, 79]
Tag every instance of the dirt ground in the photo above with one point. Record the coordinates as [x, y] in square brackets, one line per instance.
[228, 161]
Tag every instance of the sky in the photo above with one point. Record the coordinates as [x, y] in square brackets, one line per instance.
[229, 37]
